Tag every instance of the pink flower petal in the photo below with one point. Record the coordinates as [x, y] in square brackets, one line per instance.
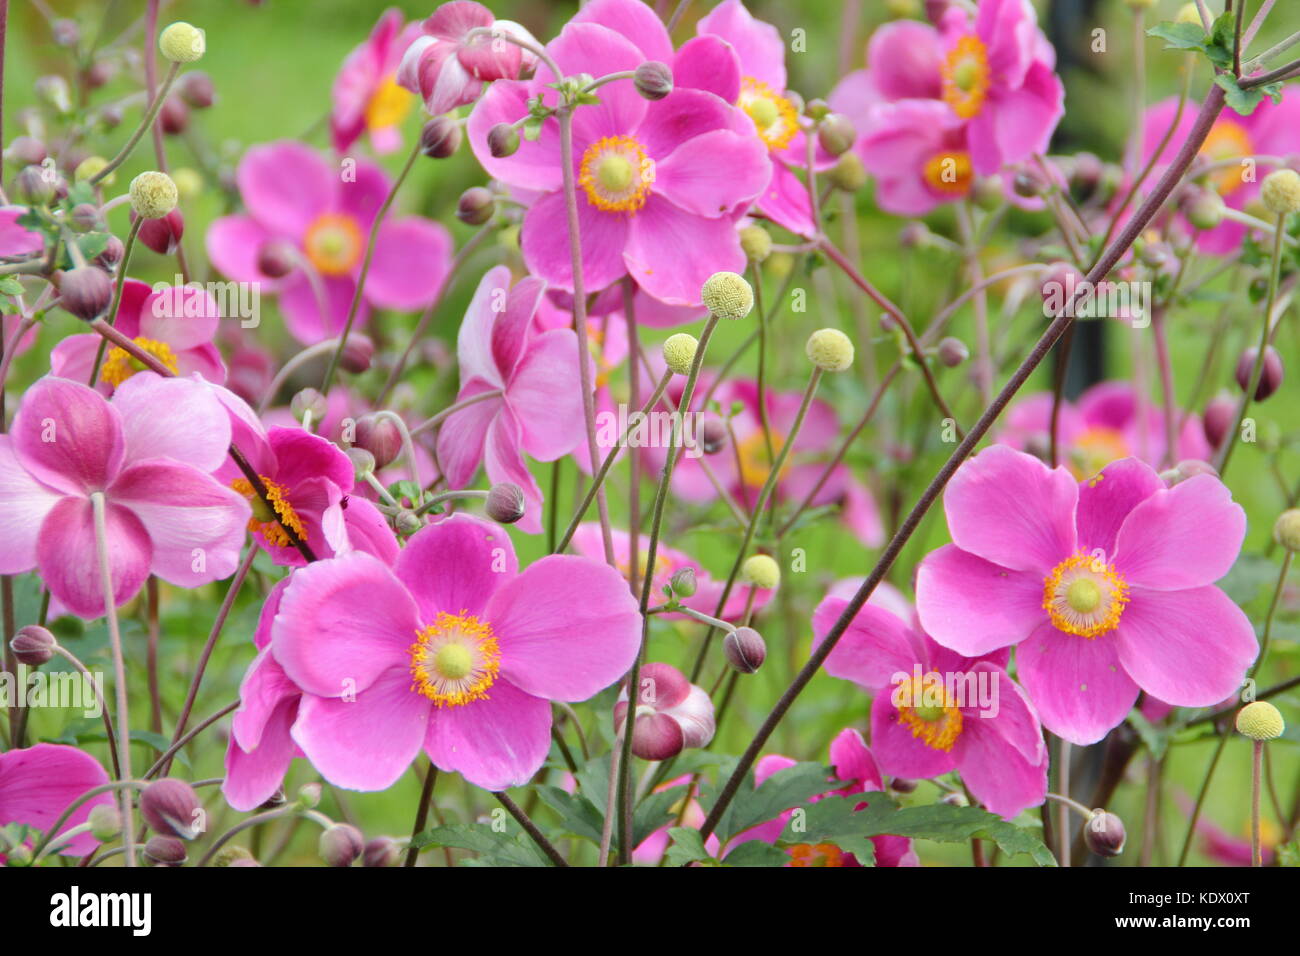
[68, 556]
[454, 566]
[24, 503]
[536, 164]
[411, 261]
[542, 396]
[708, 63]
[671, 253]
[68, 437]
[875, 646]
[974, 606]
[462, 435]
[897, 752]
[633, 20]
[1078, 685]
[38, 784]
[545, 242]
[691, 178]
[759, 45]
[195, 430]
[233, 244]
[495, 743]
[1184, 537]
[285, 186]
[1107, 499]
[997, 774]
[301, 455]
[318, 310]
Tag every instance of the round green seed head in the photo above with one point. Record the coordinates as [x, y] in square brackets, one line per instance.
[760, 570]
[153, 195]
[89, 167]
[1260, 721]
[756, 243]
[727, 295]
[1188, 14]
[182, 42]
[830, 350]
[1281, 192]
[679, 352]
[1286, 530]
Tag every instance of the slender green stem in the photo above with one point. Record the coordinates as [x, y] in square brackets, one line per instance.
[1257, 757]
[421, 813]
[149, 116]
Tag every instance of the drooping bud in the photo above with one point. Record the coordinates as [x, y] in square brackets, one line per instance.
[830, 350]
[1188, 468]
[653, 80]
[379, 436]
[162, 235]
[1029, 182]
[683, 582]
[505, 502]
[440, 137]
[1286, 531]
[915, 235]
[1104, 834]
[165, 851]
[196, 90]
[849, 174]
[182, 42]
[308, 400]
[407, 522]
[744, 649]
[817, 109]
[341, 844]
[503, 140]
[153, 194]
[679, 352]
[476, 206]
[358, 353]
[1270, 379]
[1260, 721]
[54, 90]
[105, 822]
[1218, 418]
[85, 217]
[756, 243]
[276, 258]
[760, 571]
[1203, 208]
[727, 295]
[309, 795]
[174, 117]
[363, 463]
[836, 134]
[670, 713]
[1281, 192]
[33, 645]
[952, 352]
[26, 151]
[37, 184]
[381, 851]
[86, 292]
[713, 436]
[902, 784]
[113, 252]
[172, 808]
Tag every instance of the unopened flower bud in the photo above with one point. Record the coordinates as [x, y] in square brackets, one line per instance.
[849, 174]
[760, 571]
[381, 851]
[1270, 379]
[1203, 208]
[174, 117]
[505, 502]
[196, 90]
[37, 184]
[713, 436]
[683, 583]
[744, 649]
[727, 295]
[653, 80]
[902, 785]
[172, 808]
[440, 137]
[503, 140]
[85, 217]
[1218, 418]
[379, 436]
[756, 243]
[1104, 834]
[988, 193]
[33, 645]
[165, 851]
[476, 206]
[830, 350]
[162, 235]
[276, 258]
[153, 194]
[113, 252]
[836, 134]
[817, 108]
[309, 795]
[182, 42]
[679, 352]
[358, 353]
[1286, 531]
[1260, 720]
[1188, 468]
[26, 151]
[952, 352]
[90, 167]
[1029, 182]
[309, 400]
[54, 90]
[86, 292]
[232, 855]
[341, 844]
[1281, 192]
[66, 32]
[656, 736]
[363, 463]
[105, 822]
[407, 522]
[954, 799]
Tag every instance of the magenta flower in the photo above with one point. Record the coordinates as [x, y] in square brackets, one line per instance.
[366, 96]
[300, 206]
[448, 68]
[175, 325]
[659, 183]
[671, 713]
[1105, 586]
[936, 711]
[150, 452]
[39, 783]
[1107, 423]
[538, 409]
[918, 152]
[453, 651]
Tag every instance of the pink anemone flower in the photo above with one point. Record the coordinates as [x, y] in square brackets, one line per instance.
[918, 152]
[536, 408]
[936, 711]
[366, 96]
[1107, 423]
[150, 452]
[659, 183]
[39, 783]
[174, 324]
[448, 68]
[453, 651]
[1106, 586]
[318, 216]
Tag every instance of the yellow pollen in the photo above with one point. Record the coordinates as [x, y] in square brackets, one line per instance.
[949, 174]
[1227, 140]
[1095, 448]
[616, 174]
[333, 244]
[774, 116]
[454, 660]
[264, 520]
[936, 725]
[754, 463]
[1085, 597]
[388, 105]
[821, 854]
[966, 77]
[119, 364]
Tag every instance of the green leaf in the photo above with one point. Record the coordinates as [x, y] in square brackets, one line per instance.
[756, 853]
[687, 847]
[9, 285]
[1156, 739]
[496, 849]
[781, 791]
[93, 243]
[656, 810]
[1243, 101]
[1179, 36]
[577, 814]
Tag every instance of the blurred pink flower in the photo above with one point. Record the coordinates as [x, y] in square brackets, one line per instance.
[366, 96]
[39, 783]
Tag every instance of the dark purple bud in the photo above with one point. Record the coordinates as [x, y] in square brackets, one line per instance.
[440, 137]
[196, 90]
[381, 851]
[174, 117]
[276, 258]
[172, 808]
[1218, 419]
[85, 217]
[164, 233]
[503, 140]
[358, 353]
[952, 352]
[379, 436]
[86, 292]
[1270, 379]
[341, 844]
[33, 645]
[476, 206]
[1104, 834]
[713, 436]
[744, 649]
[505, 502]
[165, 851]
[653, 80]
[112, 254]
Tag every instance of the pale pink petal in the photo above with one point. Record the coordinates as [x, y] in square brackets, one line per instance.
[974, 606]
[1184, 537]
[875, 648]
[24, 503]
[67, 436]
[1078, 685]
[195, 429]
[68, 557]
[543, 397]
[39, 783]
[495, 743]
[286, 185]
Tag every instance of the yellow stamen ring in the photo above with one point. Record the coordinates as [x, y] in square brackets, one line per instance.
[454, 660]
[966, 77]
[937, 725]
[264, 520]
[119, 365]
[616, 174]
[775, 117]
[1085, 597]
